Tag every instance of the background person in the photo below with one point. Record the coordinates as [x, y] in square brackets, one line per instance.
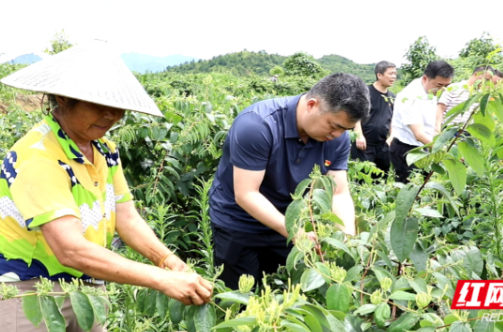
[63, 193]
[459, 93]
[374, 135]
[271, 147]
[415, 115]
[498, 76]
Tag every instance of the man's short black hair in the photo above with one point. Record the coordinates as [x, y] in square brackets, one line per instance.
[480, 69]
[498, 73]
[439, 68]
[342, 92]
[382, 66]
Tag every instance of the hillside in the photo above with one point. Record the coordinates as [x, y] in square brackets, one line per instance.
[336, 63]
[250, 63]
[240, 63]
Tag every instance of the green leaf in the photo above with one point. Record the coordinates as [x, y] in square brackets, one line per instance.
[312, 320]
[487, 120]
[235, 296]
[402, 296]
[483, 104]
[338, 298]
[472, 260]
[445, 137]
[483, 326]
[31, 308]
[441, 188]
[418, 284]
[311, 279]
[457, 174]
[99, 305]
[301, 188]
[429, 212]
[414, 156]
[405, 200]
[365, 309]
[403, 235]
[292, 327]
[83, 309]
[460, 327]
[340, 245]
[332, 217]
[353, 273]
[205, 318]
[293, 257]
[404, 323]
[481, 132]
[175, 309]
[161, 304]
[472, 157]
[292, 215]
[237, 322]
[442, 282]
[323, 200]
[53, 318]
[334, 323]
[382, 313]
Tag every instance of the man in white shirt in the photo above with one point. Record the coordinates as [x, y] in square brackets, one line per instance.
[459, 93]
[414, 116]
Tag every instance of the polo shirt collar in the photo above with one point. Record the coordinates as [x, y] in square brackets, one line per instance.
[71, 149]
[291, 118]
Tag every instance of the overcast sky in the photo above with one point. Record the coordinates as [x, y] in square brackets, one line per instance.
[365, 31]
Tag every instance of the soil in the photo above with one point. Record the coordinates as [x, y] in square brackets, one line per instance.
[29, 103]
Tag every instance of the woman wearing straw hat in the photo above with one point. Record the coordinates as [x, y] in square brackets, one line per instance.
[63, 193]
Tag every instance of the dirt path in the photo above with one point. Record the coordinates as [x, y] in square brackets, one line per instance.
[29, 103]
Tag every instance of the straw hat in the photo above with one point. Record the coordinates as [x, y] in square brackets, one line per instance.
[91, 72]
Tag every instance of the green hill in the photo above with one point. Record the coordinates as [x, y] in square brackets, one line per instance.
[239, 63]
[247, 63]
[336, 63]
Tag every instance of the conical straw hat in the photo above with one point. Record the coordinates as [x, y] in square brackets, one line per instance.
[91, 72]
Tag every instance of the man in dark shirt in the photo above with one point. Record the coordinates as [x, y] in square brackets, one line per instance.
[271, 147]
[374, 135]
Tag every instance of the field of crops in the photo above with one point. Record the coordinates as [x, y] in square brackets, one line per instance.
[399, 273]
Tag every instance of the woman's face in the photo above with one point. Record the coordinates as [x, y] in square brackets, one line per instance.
[86, 121]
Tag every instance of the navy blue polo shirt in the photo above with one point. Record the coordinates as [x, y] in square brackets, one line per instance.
[264, 136]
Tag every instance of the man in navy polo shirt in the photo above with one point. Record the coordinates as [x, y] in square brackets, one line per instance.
[271, 147]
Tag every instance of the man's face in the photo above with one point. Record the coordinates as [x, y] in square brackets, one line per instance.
[388, 78]
[325, 126]
[432, 85]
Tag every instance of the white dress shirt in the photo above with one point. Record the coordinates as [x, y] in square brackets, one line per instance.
[413, 106]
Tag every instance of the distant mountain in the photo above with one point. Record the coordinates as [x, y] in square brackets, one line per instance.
[142, 63]
[239, 63]
[251, 63]
[135, 61]
[336, 63]
[26, 59]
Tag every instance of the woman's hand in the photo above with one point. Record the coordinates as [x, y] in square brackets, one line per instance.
[188, 288]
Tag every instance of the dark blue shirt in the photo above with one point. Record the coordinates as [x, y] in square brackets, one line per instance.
[264, 137]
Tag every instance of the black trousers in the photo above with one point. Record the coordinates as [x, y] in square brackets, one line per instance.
[248, 253]
[397, 155]
[378, 154]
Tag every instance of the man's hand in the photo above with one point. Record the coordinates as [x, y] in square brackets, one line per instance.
[389, 140]
[309, 235]
[361, 142]
[188, 288]
[174, 263]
